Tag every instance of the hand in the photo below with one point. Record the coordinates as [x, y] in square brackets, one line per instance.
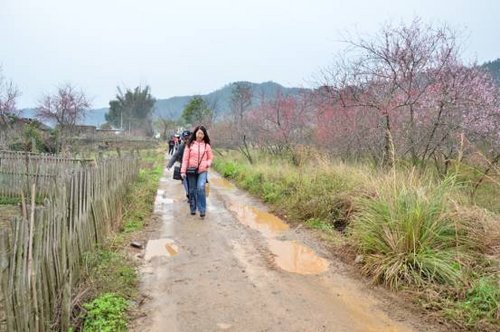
[183, 176]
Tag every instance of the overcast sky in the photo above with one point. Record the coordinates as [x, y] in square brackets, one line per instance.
[185, 47]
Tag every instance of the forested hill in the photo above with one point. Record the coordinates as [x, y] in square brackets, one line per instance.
[494, 68]
[220, 99]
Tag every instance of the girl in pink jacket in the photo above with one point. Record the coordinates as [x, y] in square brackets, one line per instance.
[196, 161]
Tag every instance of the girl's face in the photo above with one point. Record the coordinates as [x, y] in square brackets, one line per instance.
[200, 135]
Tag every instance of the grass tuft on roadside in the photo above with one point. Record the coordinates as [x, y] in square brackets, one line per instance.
[411, 229]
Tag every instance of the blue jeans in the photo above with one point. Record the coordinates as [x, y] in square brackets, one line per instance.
[197, 199]
[185, 184]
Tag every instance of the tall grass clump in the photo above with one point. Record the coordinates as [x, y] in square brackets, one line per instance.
[407, 235]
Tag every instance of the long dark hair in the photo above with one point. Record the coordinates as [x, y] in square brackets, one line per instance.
[206, 139]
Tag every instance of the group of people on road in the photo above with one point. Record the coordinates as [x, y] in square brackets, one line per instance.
[173, 144]
[195, 155]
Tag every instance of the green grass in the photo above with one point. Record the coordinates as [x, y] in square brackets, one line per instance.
[480, 308]
[415, 230]
[407, 236]
[110, 276]
[107, 313]
[320, 224]
[10, 200]
[17, 200]
[110, 271]
[141, 196]
[313, 191]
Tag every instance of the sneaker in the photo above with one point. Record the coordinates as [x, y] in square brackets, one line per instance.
[202, 215]
[193, 213]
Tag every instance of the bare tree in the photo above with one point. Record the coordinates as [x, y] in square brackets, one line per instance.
[166, 125]
[8, 95]
[241, 101]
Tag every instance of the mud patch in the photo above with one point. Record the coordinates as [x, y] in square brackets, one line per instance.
[222, 183]
[267, 224]
[296, 258]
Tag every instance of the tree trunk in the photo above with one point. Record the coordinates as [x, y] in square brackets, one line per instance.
[389, 153]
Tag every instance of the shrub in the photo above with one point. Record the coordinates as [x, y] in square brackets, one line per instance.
[407, 236]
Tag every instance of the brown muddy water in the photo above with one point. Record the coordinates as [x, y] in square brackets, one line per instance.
[244, 269]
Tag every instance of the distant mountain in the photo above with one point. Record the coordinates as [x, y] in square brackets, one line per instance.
[494, 68]
[94, 117]
[219, 101]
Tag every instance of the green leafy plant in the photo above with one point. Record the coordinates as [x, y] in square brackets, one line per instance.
[481, 305]
[106, 313]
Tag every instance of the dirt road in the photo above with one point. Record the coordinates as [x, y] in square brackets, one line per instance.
[243, 269]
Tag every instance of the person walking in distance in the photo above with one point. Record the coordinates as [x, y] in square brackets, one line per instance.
[178, 157]
[171, 145]
[196, 161]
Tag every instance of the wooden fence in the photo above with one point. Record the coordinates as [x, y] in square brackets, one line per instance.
[18, 170]
[42, 252]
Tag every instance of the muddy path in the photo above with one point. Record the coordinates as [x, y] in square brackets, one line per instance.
[243, 269]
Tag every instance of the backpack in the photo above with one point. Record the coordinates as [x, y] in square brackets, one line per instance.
[180, 153]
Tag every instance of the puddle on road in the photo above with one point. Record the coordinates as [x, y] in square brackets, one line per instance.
[289, 256]
[172, 249]
[266, 223]
[296, 258]
[159, 248]
[222, 183]
[161, 200]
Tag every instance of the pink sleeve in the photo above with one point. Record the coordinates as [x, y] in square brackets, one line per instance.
[185, 160]
[210, 156]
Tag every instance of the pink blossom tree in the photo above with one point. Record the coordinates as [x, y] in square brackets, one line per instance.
[66, 107]
[281, 124]
[462, 100]
[346, 132]
[387, 73]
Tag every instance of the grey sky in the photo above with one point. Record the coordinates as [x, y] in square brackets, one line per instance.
[196, 46]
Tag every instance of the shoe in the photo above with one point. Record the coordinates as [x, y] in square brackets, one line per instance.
[193, 213]
[202, 215]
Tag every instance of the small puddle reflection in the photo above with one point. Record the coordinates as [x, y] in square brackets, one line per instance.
[266, 223]
[171, 249]
[296, 258]
[222, 183]
[160, 247]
